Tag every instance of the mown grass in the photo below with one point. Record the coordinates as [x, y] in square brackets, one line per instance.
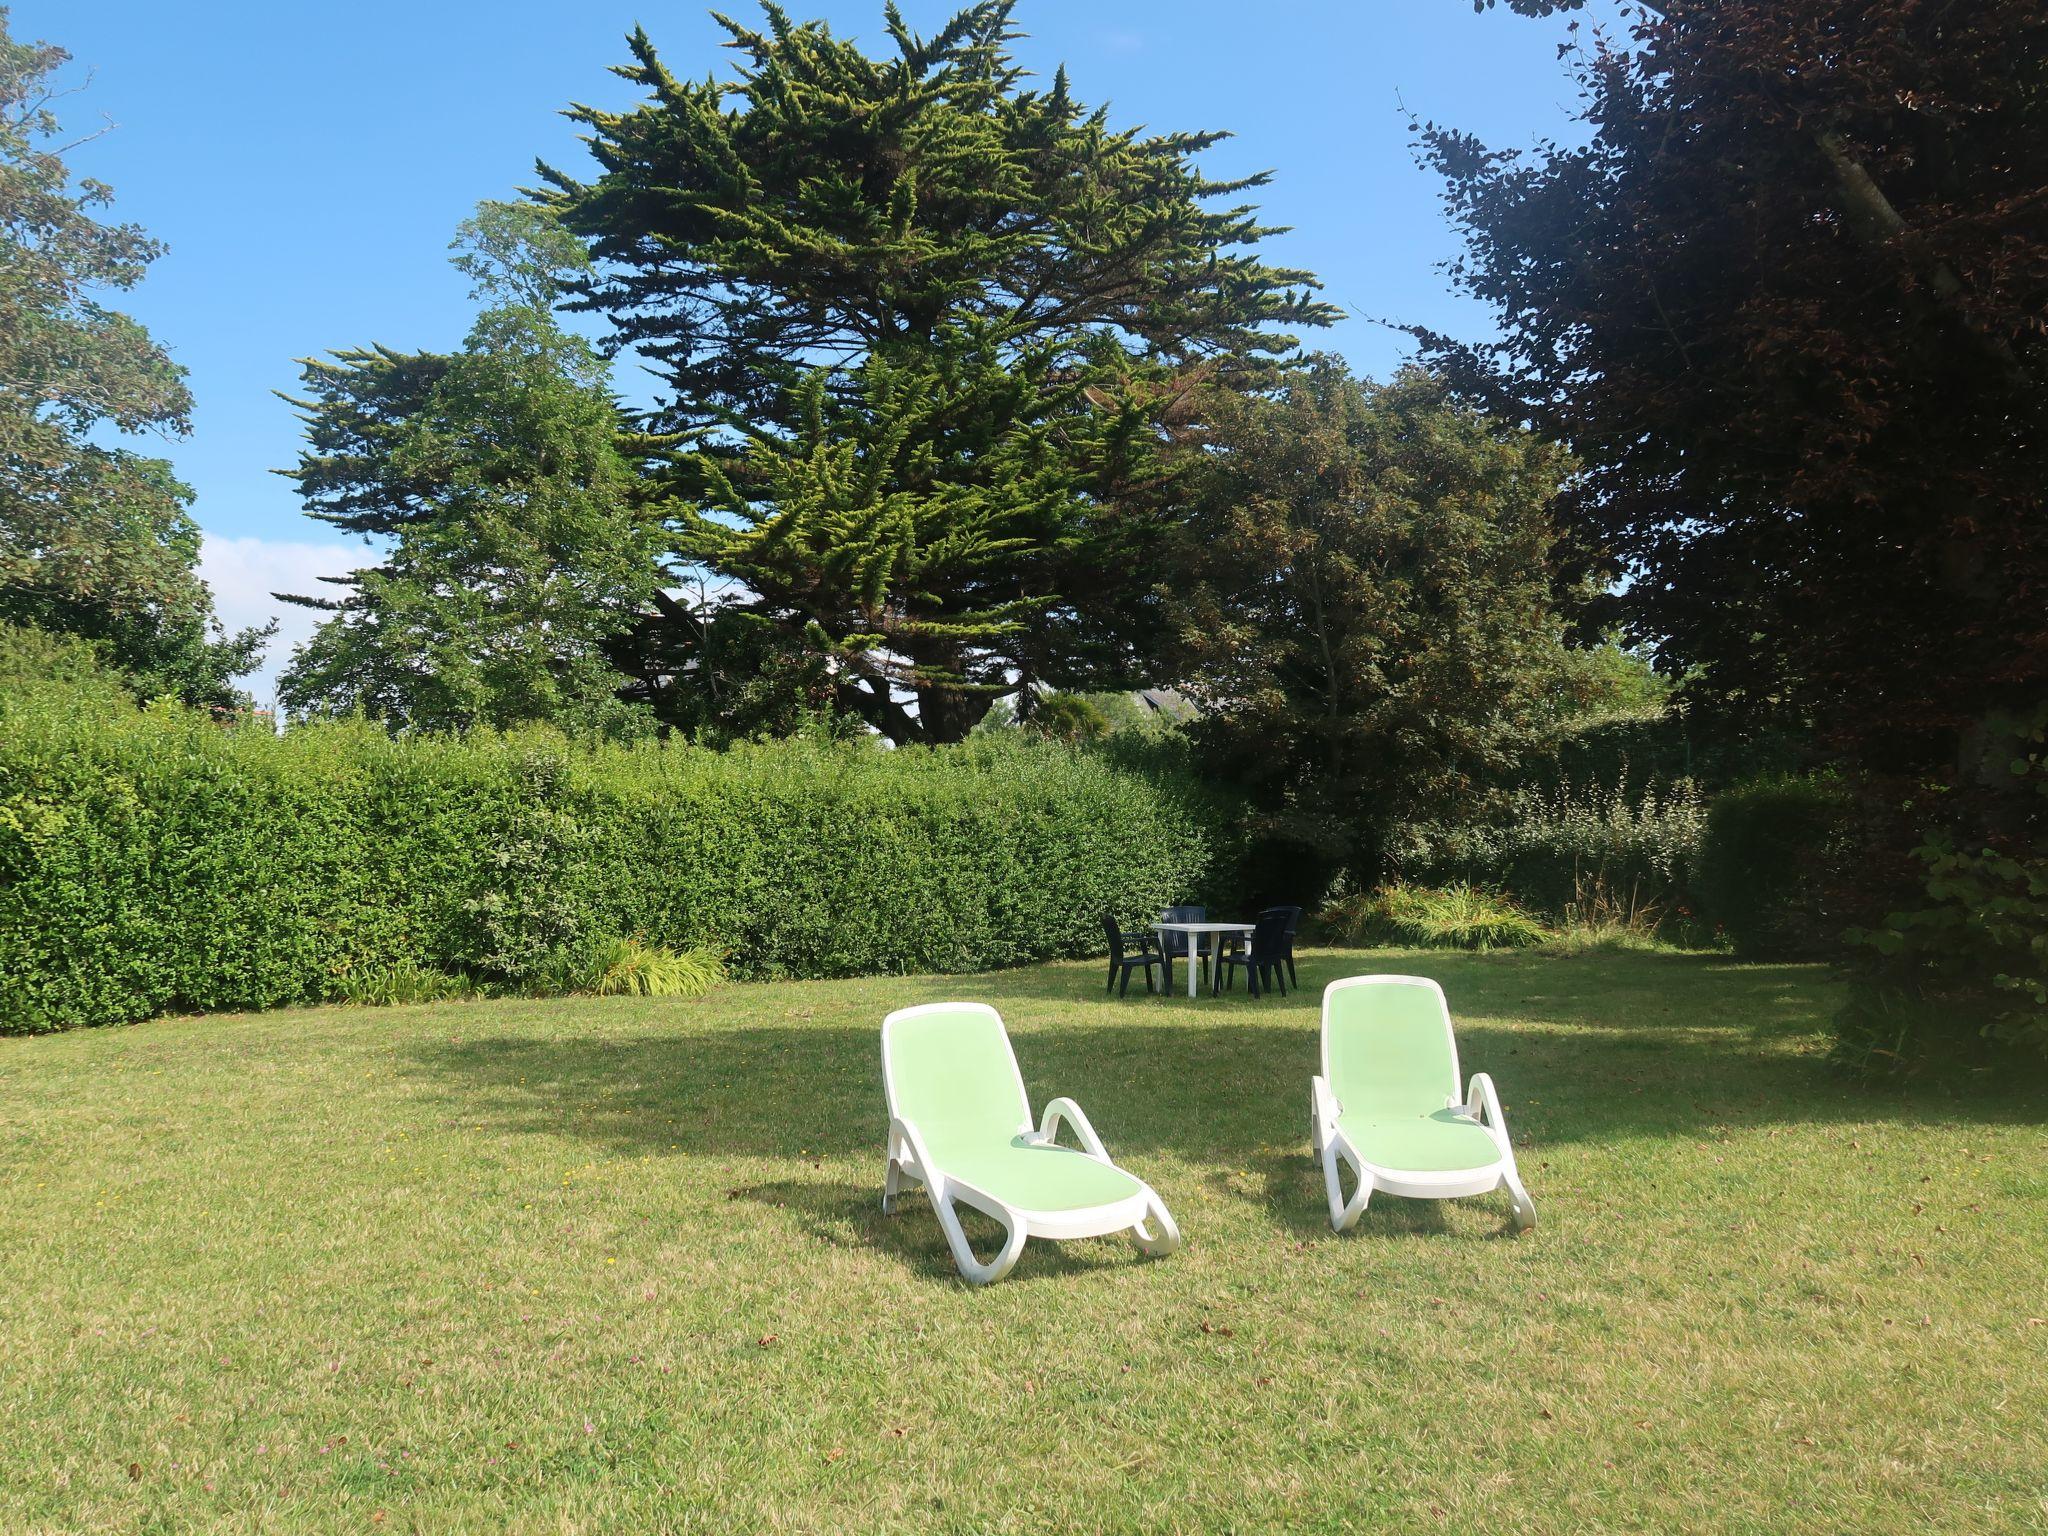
[617, 1265]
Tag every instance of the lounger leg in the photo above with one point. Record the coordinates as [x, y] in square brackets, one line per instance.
[892, 1186]
[1344, 1213]
[972, 1270]
[1158, 1243]
[1483, 1104]
[1525, 1208]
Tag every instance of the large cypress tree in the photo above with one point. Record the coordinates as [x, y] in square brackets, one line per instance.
[925, 325]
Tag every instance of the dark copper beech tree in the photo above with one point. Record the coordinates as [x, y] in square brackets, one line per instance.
[1789, 306]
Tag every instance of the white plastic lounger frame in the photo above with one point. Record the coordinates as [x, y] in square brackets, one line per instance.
[1142, 1213]
[1480, 1106]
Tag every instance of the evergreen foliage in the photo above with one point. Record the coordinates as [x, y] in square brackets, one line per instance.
[517, 544]
[1767, 864]
[925, 325]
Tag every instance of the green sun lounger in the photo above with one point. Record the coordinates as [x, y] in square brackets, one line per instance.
[1387, 1103]
[960, 1124]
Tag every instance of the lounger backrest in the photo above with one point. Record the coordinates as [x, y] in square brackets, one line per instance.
[949, 1070]
[1387, 1045]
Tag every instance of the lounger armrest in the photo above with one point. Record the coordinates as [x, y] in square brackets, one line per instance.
[1069, 1111]
[903, 1138]
[1483, 1104]
[1327, 1109]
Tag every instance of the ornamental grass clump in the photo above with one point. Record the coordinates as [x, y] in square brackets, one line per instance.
[1416, 916]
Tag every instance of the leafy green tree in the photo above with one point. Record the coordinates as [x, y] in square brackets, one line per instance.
[924, 326]
[94, 541]
[518, 546]
[1366, 616]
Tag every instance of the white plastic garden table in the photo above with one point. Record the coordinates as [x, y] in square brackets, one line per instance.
[1194, 931]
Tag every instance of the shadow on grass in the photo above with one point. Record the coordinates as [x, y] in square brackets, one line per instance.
[1585, 1048]
[850, 1215]
[1290, 1192]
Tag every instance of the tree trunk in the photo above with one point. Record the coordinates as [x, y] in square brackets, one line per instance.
[949, 713]
[869, 700]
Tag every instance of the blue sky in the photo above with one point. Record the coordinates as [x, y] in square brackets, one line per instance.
[307, 165]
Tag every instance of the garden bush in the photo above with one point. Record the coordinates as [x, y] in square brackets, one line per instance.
[155, 860]
[1635, 847]
[1455, 917]
[1767, 862]
[1966, 963]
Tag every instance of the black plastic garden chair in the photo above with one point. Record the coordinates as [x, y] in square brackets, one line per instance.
[1179, 945]
[1263, 957]
[1121, 965]
[1293, 917]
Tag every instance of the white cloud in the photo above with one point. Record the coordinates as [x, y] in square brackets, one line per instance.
[243, 574]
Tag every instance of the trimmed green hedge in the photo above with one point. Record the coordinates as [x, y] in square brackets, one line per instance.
[1767, 862]
[154, 860]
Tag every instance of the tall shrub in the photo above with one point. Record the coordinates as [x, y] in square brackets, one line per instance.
[1767, 865]
[1970, 957]
[1556, 845]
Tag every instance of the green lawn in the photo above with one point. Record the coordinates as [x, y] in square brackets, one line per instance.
[618, 1266]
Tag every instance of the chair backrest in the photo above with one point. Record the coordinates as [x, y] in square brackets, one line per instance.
[1388, 1046]
[1269, 937]
[1292, 915]
[948, 1069]
[1177, 943]
[1114, 934]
